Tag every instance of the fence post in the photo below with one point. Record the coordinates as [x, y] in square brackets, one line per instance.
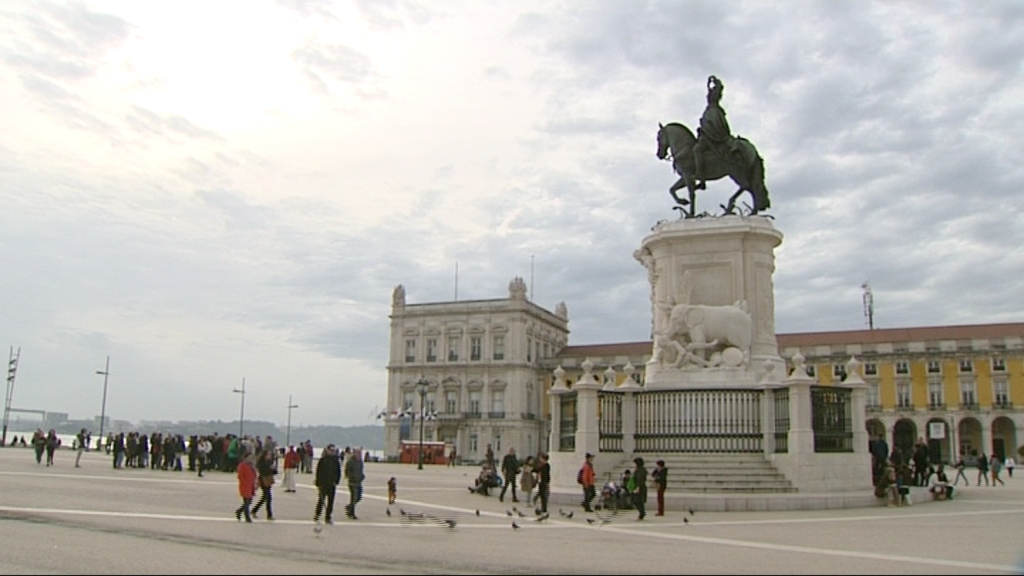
[768, 384]
[630, 387]
[801, 428]
[858, 405]
[588, 435]
[555, 409]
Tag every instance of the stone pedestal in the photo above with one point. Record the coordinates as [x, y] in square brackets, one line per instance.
[721, 270]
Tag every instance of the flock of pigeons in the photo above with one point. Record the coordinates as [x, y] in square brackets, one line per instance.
[514, 513]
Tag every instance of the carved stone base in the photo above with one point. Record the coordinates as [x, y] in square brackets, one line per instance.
[721, 269]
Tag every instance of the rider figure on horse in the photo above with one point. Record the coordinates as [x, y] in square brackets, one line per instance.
[714, 134]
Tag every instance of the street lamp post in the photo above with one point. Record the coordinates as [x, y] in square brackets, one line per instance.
[288, 435]
[241, 417]
[103, 407]
[421, 387]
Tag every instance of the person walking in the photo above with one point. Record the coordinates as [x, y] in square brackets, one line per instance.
[81, 441]
[996, 466]
[265, 468]
[527, 480]
[246, 486]
[354, 476]
[1010, 464]
[51, 446]
[640, 495]
[203, 449]
[982, 469]
[291, 468]
[328, 475]
[660, 477]
[960, 466]
[586, 478]
[509, 468]
[39, 444]
[543, 471]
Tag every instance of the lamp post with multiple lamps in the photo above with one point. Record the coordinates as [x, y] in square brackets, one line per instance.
[421, 387]
[288, 435]
[103, 407]
[241, 423]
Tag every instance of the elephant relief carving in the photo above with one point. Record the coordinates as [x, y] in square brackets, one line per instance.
[702, 335]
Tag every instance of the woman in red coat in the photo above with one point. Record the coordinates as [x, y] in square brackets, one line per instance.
[246, 486]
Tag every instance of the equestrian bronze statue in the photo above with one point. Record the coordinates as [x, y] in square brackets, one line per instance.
[715, 153]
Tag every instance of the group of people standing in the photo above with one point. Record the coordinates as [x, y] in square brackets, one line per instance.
[634, 483]
[529, 474]
[257, 472]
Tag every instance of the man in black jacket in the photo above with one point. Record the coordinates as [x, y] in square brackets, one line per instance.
[510, 469]
[354, 475]
[328, 475]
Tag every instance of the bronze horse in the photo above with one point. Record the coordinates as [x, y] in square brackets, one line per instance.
[746, 168]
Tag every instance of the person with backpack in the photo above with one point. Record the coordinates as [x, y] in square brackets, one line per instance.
[585, 478]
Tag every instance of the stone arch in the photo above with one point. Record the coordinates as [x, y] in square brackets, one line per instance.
[939, 449]
[969, 436]
[904, 434]
[1004, 438]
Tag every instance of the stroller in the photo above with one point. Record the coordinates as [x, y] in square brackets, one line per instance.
[614, 497]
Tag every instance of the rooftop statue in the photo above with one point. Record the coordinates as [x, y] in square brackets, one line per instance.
[713, 154]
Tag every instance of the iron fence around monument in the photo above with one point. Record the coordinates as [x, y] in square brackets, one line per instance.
[699, 421]
[567, 424]
[831, 409]
[609, 423]
[780, 396]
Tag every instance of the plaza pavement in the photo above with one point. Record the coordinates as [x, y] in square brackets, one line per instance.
[95, 519]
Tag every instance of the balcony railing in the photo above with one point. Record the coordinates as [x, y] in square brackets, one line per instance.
[472, 415]
[1006, 405]
[495, 415]
[968, 405]
[937, 406]
[874, 407]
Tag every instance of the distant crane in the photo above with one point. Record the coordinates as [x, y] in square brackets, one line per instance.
[869, 305]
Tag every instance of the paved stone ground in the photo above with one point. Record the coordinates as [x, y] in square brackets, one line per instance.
[95, 519]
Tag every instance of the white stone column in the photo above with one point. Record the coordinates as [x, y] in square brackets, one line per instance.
[769, 383]
[801, 429]
[555, 410]
[587, 431]
[859, 405]
[630, 387]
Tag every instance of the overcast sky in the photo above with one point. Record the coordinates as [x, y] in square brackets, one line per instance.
[212, 191]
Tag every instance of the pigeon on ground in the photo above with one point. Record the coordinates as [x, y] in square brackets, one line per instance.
[450, 523]
[508, 513]
[561, 512]
[685, 520]
[477, 512]
[691, 511]
[402, 512]
[590, 520]
[520, 514]
[388, 511]
[514, 525]
[569, 515]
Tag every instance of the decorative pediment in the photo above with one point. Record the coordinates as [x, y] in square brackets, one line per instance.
[476, 330]
[497, 385]
[454, 331]
[411, 332]
[474, 385]
[450, 383]
[432, 332]
[499, 329]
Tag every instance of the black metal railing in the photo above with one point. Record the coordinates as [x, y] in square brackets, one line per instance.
[567, 424]
[472, 415]
[610, 442]
[699, 421]
[1002, 405]
[831, 419]
[780, 396]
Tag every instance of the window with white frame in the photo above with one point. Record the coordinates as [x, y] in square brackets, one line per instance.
[968, 393]
[497, 401]
[902, 367]
[474, 401]
[872, 399]
[870, 369]
[1001, 393]
[407, 398]
[475, 348]
[966, 365]
[499, 347]
[454, 343]
[935, 398]
[838, 371]
[451, 401]
[431, 349]
[903, 395]
[410, 350]
[474, 443]
[637, 377]
[812, 371]
[998, 364]
[429, 404]
[935, 367]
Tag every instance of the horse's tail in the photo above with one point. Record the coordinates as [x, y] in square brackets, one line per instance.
[755, 172]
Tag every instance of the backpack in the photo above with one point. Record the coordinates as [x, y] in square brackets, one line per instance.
[579, 476]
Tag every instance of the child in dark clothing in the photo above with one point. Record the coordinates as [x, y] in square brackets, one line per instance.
[392, 490]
